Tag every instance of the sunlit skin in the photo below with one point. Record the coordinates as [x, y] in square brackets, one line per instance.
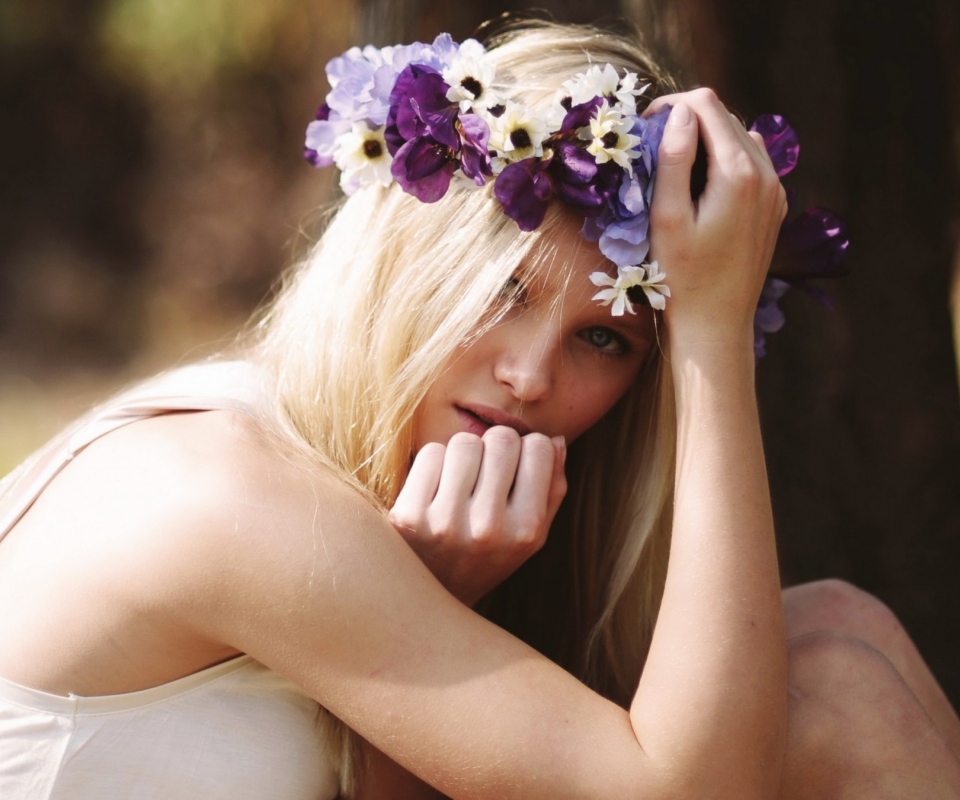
[554, 364]
[491, 434]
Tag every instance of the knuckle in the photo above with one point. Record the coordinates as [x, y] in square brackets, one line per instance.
[432, 450]
[442, 525]
[486, 527]
[746, 175]
[401, 519]
[464, 441]
[501, 436]
[705, 95]
[483, 538]
[666, 217]
[532, 534]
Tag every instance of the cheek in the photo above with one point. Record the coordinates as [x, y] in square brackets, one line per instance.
[588, 402]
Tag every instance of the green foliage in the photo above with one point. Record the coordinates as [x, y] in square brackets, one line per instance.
[188, 43]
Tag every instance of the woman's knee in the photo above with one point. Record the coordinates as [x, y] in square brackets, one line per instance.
[835, 605]
[851, 716]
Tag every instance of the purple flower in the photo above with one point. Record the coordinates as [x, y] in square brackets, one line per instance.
[768, 317]
[780, 140]
[474, 155]
[579, 180]
[524, 190]
[525, 187]
[419, 107]
[423, 168]
[579, 116]
[812, 245]
[422, 135]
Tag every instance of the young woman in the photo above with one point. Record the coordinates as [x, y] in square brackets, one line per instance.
[264, 586]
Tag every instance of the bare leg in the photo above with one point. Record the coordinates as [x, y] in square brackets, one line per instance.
[833, 605]
[856, 731]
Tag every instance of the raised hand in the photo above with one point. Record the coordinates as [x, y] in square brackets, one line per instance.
[715, 249]
[475, 509]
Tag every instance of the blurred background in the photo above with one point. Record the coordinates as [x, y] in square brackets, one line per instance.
[152, 189]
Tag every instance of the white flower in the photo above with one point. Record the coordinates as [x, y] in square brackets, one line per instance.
[610, 137]
[598, 82]
[628, 93]
[595, 82]
[362, 157]
[515, 135]
[471, 79]
[649, 278]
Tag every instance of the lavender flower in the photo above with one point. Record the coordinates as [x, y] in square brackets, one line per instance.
[768, 317]
[322, 135]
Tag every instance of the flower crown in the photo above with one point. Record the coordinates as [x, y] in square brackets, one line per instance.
[425, 115]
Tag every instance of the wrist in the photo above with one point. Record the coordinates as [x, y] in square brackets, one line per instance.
[707, 347]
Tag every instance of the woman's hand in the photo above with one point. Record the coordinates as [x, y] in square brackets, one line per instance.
[714, 249]
[476, 509]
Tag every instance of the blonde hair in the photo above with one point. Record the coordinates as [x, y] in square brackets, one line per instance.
[364, 326]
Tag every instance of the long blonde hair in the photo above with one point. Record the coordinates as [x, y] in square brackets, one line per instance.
[364, 326]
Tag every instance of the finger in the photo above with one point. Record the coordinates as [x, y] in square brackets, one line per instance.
[663, 100]
[678, 150]
[558, 481]
[528, 504]
[461, 467]
[501, 455]
[420, 487]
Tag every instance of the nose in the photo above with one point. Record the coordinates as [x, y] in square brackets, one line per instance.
[527, 363]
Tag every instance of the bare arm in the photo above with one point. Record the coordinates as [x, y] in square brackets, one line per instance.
[713, 687]
[306, 577]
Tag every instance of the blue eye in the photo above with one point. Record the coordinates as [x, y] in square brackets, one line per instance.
[513, 292]
[604, 339]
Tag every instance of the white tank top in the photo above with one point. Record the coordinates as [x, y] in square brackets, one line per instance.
[235, 730]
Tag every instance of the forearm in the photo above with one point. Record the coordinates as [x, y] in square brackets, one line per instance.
[713, 690]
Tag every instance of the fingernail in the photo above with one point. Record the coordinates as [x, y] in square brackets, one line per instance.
[680, 116]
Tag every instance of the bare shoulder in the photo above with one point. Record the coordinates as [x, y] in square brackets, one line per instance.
[196, 484]
[171, 510]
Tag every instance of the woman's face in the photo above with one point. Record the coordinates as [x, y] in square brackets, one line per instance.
[547, 366]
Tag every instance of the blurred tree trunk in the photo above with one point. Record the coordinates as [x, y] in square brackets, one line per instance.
[860, 406]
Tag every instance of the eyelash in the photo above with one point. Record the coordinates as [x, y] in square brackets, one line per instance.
[514, 292]
[621, 345]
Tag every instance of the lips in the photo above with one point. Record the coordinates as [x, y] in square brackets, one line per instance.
[479, 419]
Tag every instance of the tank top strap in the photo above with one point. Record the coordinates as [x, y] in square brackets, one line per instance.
[221, 385]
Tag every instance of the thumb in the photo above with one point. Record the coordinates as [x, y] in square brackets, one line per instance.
[678, 150]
